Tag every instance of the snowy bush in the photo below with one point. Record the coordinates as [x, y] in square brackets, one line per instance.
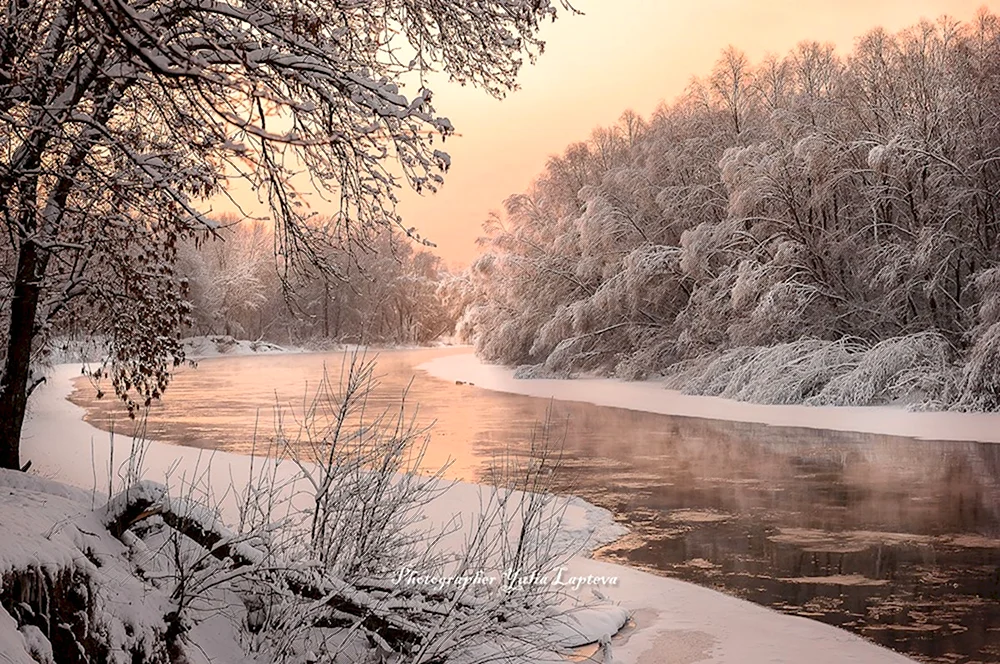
[709, 376]
[654, 355]
[980, 381]
[980, 384]
[915, 369]
[788, 373]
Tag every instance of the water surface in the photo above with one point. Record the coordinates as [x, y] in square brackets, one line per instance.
[892, 538]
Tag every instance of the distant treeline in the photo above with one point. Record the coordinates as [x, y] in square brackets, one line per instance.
[382, 292]
[240, 282]
[810, 228]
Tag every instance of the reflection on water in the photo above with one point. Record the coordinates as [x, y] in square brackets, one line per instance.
[892, 538]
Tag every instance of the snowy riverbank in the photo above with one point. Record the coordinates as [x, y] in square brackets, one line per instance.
[204, 347]
[652, 397]
[692, 623]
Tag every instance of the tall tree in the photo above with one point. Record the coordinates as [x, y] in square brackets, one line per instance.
[119, 118]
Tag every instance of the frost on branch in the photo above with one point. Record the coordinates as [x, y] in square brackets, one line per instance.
[835, 221]
[119, 120]
[916, 370]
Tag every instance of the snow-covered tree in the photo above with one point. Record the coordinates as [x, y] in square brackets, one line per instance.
[824, 207]
[230, 279]
[118, 118]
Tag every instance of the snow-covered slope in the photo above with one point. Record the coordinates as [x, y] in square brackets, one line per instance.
[62, 572]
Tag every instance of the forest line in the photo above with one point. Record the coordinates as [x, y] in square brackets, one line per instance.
[383, 291]
[811, 228]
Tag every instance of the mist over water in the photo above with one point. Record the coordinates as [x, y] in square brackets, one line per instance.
[889, 537]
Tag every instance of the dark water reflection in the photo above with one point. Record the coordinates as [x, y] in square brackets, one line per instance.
[892, 538]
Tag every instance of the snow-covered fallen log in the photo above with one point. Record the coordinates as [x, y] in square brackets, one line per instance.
[347, 604]
[400, 616]
[145, 499]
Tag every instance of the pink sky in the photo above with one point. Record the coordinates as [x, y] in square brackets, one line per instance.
[621, 54]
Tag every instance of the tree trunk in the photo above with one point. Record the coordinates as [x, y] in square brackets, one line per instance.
[14, 390]
[326, 308]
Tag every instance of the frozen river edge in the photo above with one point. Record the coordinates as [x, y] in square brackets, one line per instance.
[694, 624]
[651, 397]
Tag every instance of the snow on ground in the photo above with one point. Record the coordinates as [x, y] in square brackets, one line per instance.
[221, 345]
[203, 347]
[690, 623]
[48, 527]
[695, 624]
[652, 397]
[13, 647]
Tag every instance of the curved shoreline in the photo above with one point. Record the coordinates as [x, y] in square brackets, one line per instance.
[652, 397]
[672, 615]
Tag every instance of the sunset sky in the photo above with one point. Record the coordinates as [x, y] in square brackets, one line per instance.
[617, 55]
[621, 54]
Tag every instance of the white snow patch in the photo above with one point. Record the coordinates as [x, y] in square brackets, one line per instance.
[584, 625]
[13, 649]
[225, 345]
[36, 644]
[652, 397]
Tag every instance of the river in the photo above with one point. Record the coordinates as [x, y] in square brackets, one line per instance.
[892, 538]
